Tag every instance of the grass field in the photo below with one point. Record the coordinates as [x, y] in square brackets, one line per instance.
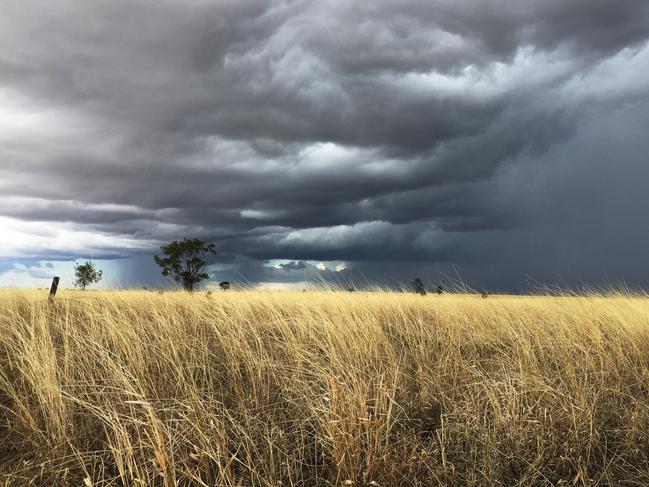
[322, 388]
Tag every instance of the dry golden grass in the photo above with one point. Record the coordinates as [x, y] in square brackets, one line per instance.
[323, 388]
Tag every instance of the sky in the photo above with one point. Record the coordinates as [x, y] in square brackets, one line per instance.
[500, 144]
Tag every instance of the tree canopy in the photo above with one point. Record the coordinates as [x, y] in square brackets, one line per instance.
[86, 274]
[184, 261]
[418, 284]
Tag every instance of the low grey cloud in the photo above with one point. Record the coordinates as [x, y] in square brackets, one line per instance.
[500, 139]
[292, 266]
[43, 270]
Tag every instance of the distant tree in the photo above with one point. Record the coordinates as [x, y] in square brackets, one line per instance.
[440, 289]
[419, 286]
[224, 285]
[184, 261]
[86, 274]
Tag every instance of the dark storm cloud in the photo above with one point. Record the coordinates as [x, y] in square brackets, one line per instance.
[437, 131]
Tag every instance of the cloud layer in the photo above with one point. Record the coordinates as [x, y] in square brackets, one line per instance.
[504, 138]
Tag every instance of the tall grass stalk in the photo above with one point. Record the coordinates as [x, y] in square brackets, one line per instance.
[323, 388]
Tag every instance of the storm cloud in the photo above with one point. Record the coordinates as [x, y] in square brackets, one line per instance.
[504, 139]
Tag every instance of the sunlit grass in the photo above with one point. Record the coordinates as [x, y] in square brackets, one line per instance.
[323, 388]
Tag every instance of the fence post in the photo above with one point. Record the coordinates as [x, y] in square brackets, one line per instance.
[55, 286]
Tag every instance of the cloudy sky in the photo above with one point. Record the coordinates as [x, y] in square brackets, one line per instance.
[505, 142]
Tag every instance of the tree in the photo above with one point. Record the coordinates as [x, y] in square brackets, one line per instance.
[440, 289]
[419, 286]
[224, 285]
[184, 261]
[86, 274]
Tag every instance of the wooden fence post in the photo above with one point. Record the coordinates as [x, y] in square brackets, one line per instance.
[55, 286]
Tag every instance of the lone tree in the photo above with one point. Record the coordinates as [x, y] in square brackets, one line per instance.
[86, 274]
[224, 285]
[184, 261]
[419, 286]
